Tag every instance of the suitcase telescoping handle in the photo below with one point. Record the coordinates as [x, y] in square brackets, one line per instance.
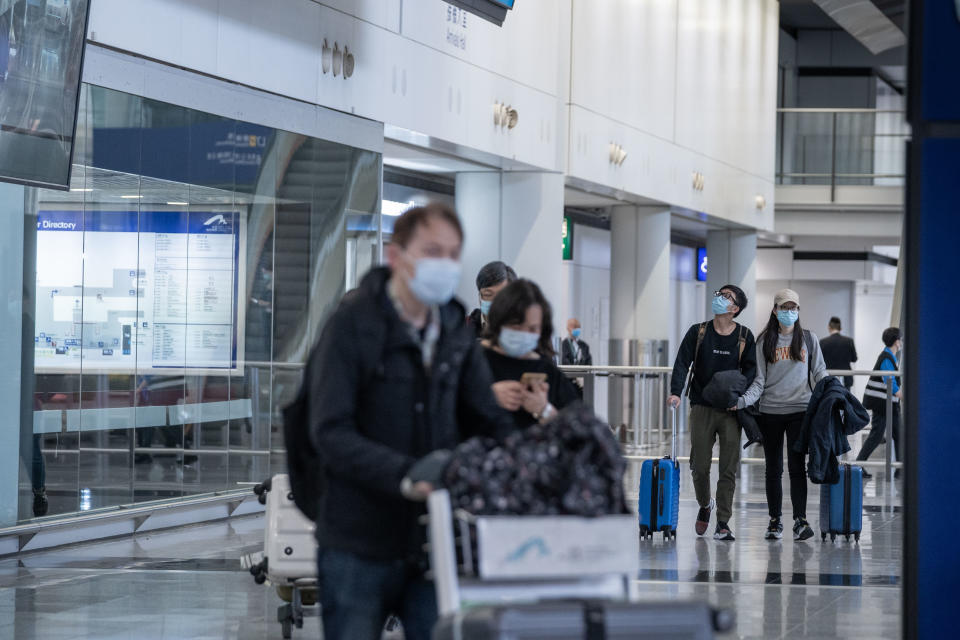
[673, 438]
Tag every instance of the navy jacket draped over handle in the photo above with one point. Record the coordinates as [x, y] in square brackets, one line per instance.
[832, 414]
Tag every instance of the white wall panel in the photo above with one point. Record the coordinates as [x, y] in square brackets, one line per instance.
[684, 85]
[660, 170]
[623, 61]
[278, 43]
[727, 80]
[382, 13]
[526, 49]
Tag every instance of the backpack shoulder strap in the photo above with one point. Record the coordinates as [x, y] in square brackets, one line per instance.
[808, 340]
[701, 332]
[743, 345]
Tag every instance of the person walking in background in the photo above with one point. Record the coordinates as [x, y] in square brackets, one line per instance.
[790, 364]
[575, 351]
[839, 351]
[875, 398]
[711, 347]
[395, 377]
[491, 280]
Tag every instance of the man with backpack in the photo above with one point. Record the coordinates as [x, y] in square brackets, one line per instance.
[708, 348]
[397, 376]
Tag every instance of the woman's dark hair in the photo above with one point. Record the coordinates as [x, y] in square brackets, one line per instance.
[771, 334]
[890, 336]
[493, 273]
[510, 307]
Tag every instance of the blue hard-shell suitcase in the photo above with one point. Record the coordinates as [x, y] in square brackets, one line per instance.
[841, 505]
[659, 503]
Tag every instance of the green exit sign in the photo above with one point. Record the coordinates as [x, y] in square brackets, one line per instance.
[567, 239]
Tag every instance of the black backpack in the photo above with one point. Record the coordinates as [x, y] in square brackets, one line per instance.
[304, 463]
[307, 481]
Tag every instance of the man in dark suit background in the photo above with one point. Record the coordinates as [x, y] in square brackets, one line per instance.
[839, 351]
[574, 350]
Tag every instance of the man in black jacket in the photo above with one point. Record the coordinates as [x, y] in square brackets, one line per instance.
[839, 351]
[397, 375]
[708, 348]
[575, 351]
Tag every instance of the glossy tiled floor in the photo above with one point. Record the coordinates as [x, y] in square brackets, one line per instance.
[188, 583]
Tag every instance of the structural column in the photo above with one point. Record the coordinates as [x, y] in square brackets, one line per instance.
[640, 301]
[517, 218]
[12, 320]
[732, 259]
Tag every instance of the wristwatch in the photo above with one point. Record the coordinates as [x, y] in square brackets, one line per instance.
[548, 411]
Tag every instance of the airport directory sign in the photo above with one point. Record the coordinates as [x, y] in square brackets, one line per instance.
[127, 291]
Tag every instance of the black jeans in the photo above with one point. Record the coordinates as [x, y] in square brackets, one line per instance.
[878, 429]
[773, 427]
[358, 594]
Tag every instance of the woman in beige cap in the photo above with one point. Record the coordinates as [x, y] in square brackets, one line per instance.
[789, 365]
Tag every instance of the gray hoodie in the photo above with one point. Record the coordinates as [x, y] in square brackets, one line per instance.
[781, 386]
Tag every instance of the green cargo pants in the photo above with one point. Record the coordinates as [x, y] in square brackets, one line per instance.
[707, 425]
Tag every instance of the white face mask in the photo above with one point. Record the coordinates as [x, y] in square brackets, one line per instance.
[435, 280]
[517, 344]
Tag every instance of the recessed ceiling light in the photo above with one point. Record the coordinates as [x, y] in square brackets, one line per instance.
[178, 204]
[131, 197]
[77, 190]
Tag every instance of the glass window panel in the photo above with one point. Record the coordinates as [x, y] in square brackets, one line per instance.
[230, 243]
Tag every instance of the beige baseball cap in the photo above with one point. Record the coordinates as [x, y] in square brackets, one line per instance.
[786, 295]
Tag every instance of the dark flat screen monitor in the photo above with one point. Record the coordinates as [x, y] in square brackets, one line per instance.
[41, 60]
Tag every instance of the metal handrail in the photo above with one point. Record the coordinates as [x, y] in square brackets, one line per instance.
[640, 373]
[836, 110]
[834, 149]
[629, 370]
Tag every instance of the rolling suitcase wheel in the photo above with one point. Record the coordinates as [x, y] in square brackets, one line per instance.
[856, 536]
[833, 537]
[823, 536]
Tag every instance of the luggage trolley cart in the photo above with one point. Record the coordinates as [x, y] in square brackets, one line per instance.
[498, 559]
[562, 577]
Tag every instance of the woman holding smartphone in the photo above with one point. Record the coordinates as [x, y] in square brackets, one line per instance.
[518, 349]
[789, 366]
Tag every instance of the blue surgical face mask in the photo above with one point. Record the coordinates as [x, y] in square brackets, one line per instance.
[485, 307]
[517, 344]
[435, 280]
[788, 318]
[576, 333]
[720, 305]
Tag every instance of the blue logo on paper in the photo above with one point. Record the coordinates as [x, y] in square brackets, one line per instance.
[520, 552]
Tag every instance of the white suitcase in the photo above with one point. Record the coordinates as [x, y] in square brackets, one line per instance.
[289, 544]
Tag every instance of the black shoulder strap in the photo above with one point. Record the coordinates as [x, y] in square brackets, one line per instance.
[743, 345]
[696, 353]
[808, 340]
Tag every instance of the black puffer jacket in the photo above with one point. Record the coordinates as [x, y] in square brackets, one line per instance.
[374, 411]
[723, 391]
[832, 414]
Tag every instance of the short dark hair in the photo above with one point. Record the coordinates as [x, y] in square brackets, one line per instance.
[493, 273]
[890, 336]
[835, 323]
[741, 297]
[510, 307]
[408, 223]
